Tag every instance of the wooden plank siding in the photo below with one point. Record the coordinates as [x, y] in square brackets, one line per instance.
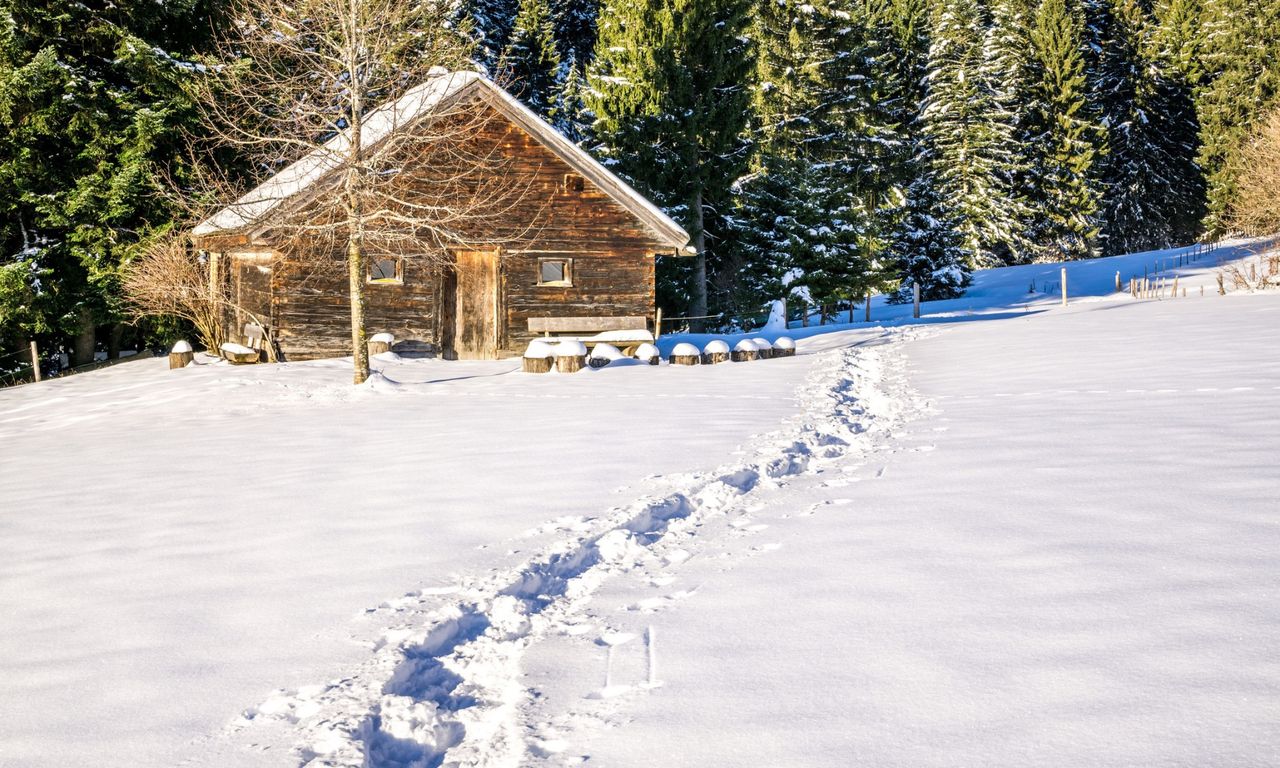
[612, 255]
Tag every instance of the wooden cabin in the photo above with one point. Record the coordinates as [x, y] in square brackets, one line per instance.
[579, 243]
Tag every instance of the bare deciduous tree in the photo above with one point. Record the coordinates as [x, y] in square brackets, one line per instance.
[1256, 209]
[358, 99]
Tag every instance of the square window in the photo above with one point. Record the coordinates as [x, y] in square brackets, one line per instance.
[574, 183]
[554, 272]
[386, 270]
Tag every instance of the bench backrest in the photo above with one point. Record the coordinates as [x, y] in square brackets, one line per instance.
[253, 334]
[587, 324]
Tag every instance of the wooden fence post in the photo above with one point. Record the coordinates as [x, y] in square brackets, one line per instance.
[1064, 286]
[1117, 281]
[915, 289]
[35, 360]
[657, 322]
[866, 314]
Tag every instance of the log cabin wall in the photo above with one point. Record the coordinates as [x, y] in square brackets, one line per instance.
[560, 215]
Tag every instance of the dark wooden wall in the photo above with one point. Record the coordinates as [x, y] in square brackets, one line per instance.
[612, 253]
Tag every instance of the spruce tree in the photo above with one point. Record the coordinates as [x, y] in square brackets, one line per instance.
[1242, 65]
[670, 92]
[531, 63]
[1066, 135]
[92, 107]
[1174, 55]
[971, 134]
[569, 114]
[490, 24]
[575, 22]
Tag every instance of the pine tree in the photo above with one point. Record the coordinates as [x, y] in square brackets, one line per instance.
[570, 115]
[1174, 55]
[926, 243]
[531, 62]
[669, 89]
[1007, 71]
[490, 24]
[575, 22]
[1066, 135]
[971, 134]
[1127, 93]
[91, 112]
[1242, 65]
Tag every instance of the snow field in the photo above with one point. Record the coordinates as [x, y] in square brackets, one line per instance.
[212, 534]
[1068, 559]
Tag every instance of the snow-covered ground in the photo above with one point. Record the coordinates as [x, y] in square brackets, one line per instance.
[1009, 533]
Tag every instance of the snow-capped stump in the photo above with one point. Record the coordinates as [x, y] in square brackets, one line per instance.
[380, 342]
[764, 349]
[648, 353]
[181, 355]
[745, 351]
[685, 354]
[539, 357]
[785, 346]
[602, 354]
[571, 356]
[716, 351]
[238, 354]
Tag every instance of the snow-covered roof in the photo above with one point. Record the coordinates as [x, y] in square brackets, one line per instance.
[419, 102]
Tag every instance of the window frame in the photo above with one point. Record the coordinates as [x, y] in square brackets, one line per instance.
[567, 282]
[369, 279]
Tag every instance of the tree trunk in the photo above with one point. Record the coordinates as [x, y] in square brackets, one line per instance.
[86, 339]
[355, 227]
[355, 272]
[699, 264]
[113, 346]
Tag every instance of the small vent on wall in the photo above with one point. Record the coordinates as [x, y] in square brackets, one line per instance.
[574, 183]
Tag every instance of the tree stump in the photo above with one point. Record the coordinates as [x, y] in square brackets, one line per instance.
[764, 350]
[570, 363]
[538, 364]
[180, 355]
[380, 342]
[744, 352]
[715, 352]
[784, 347]
[539, 357]
[648, 353]
[685, 354]
[571, 356]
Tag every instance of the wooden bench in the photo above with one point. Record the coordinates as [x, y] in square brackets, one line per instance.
[250, 351]
[626, 333]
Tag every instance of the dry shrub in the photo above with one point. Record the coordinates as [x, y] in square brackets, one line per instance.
[1256, 209]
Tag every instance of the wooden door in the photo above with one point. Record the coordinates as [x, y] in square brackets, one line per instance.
[475, 305]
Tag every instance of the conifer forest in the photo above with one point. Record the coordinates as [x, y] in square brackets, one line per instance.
[817, 150]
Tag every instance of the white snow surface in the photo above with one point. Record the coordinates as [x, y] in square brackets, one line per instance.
[384, 338]
[539, 348]
[1006, 535]
[180, 347]
[604, 351]
[684, 348]
[716, 346]
[570, 349]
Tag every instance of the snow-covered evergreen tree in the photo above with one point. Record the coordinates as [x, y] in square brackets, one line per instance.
[1063, 192]
[669, 88]
[530, 65]
[575, 22]
[92, 109]
[569, 114]
[490, 24]
[971, 133]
